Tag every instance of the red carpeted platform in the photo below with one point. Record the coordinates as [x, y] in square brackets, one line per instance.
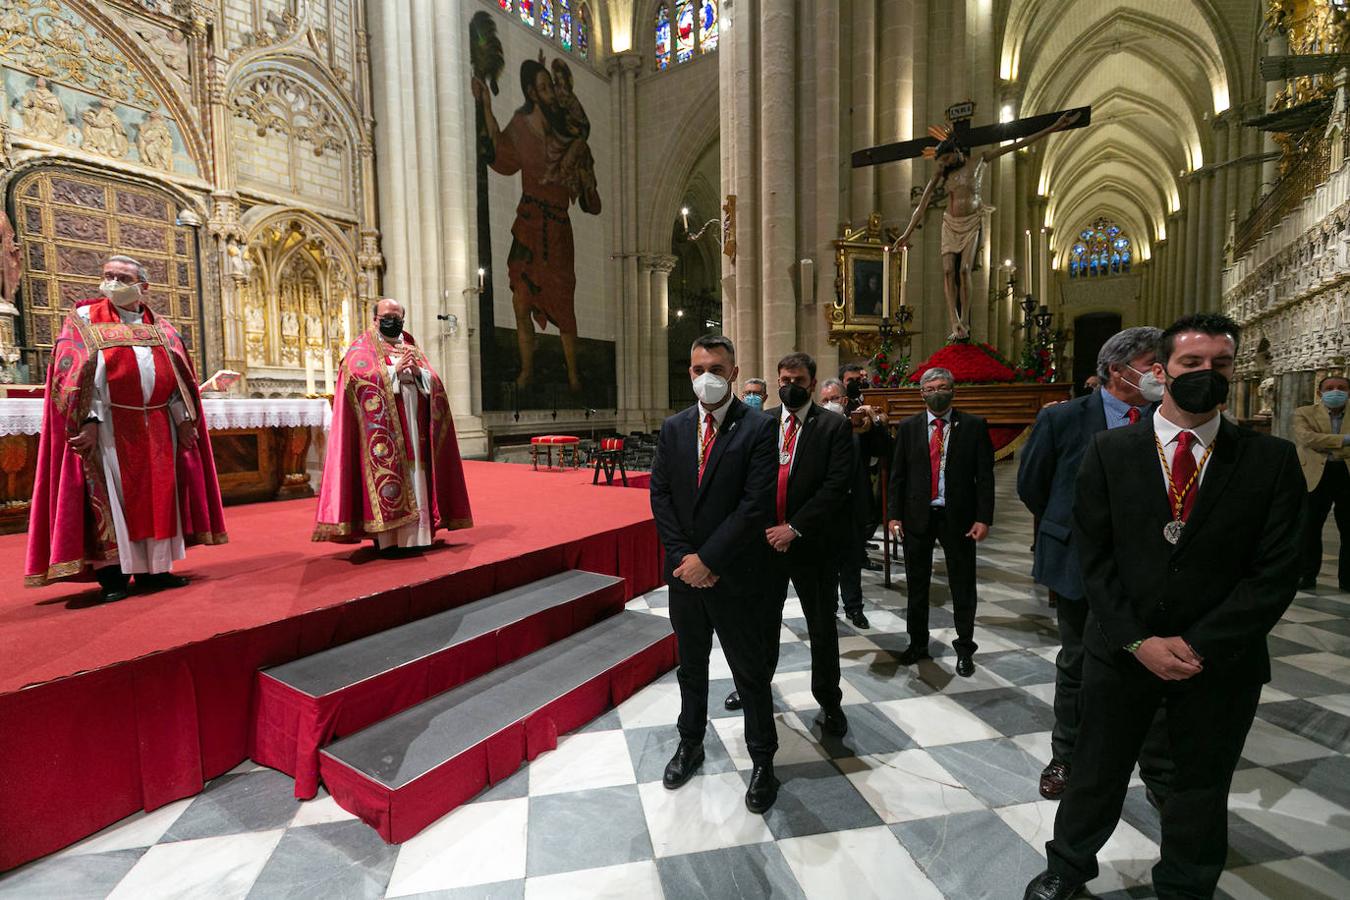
[105, 710]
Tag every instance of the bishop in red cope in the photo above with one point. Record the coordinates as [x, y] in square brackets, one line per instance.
[392, 471]
[125, 480]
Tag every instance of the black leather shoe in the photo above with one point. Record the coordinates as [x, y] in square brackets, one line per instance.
[682, 766]
[871, 566]
[1049, 886]
[833, 722]
[733, 701]
[965, 666]
[1054, 779]
[161, 581]
[763, 790]
[114, 592]
[859, 619]
[913, 654]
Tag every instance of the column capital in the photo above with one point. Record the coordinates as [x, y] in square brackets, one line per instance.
[659, 262]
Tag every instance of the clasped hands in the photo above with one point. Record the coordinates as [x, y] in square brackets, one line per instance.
[694, 572]
[405, 366]
[1170, 658]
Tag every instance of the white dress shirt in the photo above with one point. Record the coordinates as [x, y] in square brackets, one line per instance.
[719, 416]
[1167, 436]
[800, 416]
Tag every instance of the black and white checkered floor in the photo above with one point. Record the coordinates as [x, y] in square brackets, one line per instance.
[931, 794]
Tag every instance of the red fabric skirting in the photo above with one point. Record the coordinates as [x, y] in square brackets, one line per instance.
[399, 814]
[289, 726]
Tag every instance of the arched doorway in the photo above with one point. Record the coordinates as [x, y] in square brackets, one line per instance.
[1090, 331]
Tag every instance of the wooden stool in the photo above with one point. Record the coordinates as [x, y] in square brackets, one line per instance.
[608, 457]
[564, 443]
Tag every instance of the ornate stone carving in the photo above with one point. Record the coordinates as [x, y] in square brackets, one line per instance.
[155, 143]
[43, 115]
[276, 103]
[104, 133]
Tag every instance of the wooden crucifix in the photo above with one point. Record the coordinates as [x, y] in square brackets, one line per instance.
[950, 146]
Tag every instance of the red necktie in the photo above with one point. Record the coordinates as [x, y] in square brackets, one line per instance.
[784, 468]
[935, 455]
[1183, 471]
[1133, 414]
[705, 447]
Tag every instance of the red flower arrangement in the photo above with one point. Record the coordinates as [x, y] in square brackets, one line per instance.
[975, 363]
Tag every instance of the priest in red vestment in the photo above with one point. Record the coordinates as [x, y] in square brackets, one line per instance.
[125, 479]
[392, 472]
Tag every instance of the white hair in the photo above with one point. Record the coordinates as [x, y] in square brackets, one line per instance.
[143, 275]
[936, 373]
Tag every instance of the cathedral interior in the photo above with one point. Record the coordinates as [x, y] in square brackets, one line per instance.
[278, 166]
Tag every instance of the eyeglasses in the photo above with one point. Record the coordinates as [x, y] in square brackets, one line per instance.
[933, 390]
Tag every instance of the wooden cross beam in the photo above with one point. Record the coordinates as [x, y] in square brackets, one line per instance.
[960, 115]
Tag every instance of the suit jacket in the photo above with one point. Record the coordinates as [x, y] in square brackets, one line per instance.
[1226, 583]
[970, 473]
[723, 518]
[1046, 476]
[818, 486]
[1314, 439]
[875, 443]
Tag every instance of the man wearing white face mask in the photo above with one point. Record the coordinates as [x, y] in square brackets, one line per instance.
[1323, 439]
[712, 494]
[125, 479]
[1045, 482]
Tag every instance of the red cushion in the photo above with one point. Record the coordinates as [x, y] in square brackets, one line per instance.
[611, 443]
[555, 439]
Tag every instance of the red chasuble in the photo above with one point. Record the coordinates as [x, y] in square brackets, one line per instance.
[70, 524]
[367, 472]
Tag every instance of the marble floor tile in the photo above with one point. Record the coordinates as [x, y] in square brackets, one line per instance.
[795, 744]
[587, 829]
[931, 721]
[479, 843]
[233, 804]
[795, 690]
[972, 855]
[318, 862]
[1292, 814]
[1294, 675]
[908, 785]
[582, 761]
[1020, 667]
[651, 748]
[750, 872]
[1335, 702]
[656, 704]
[512, 787]
[319, 811]
[1312, 636]
[883, 678]
[816, 797]
[1328, 777]
[629, 881]
[1036, 744]
[1009, 710]
[220, 868]
[998, 772]
[707, 813]
[869, 732]
[1316, 723]
[1304, 878]
[941, 676]
[1249, 845]
[1126, 860]
[86, 876]
[1335, 666]
[851, 865]
[1270, 745]
[141, 829]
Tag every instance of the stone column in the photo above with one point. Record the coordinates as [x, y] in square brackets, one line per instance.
[1192, 261]
[646, 337]
[829, 178]
[630, 299]
[778, 165]
[739, 107]
[895, 104]
[1276, 45]
[661, 267]
[862, 114]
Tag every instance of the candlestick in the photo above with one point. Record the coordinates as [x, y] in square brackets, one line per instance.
[904, 273]
[328, 370]
[1026, 265]
[684, 217]
[309, 373]
[481, 279]
[885, 282]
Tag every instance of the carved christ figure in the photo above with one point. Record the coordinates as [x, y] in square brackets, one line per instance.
[962, 219]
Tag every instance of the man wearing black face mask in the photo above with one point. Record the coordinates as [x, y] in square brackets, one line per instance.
[942, 492]
[871, 443]
[815, 467]
[1187, 529]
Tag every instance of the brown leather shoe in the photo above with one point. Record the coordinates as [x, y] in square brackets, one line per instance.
[1054, 779]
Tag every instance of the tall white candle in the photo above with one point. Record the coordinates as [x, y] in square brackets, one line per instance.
[309, 373]
[1044, 267]
[327, 370]
[885, 282]
[904, 274]
[1026, 266]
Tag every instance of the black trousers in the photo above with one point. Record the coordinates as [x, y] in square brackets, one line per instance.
[815, 582]
[850, 568]
[1208, 718]
[959, 551]
[1332, 490]
[736, 617]
[1155, 766]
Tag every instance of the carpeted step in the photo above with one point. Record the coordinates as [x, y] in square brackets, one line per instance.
[404, 773]
[303, 705]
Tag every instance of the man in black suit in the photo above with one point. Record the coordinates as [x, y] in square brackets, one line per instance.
[811, 518]
[942, 490]
[1045, 482]
[712, 493]
[1187, 532]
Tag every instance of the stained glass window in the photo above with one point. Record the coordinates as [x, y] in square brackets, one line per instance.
[707, 26]
[526, 8]
[1101, 249]
[663, 36]
[565, 24]
[583, 23]
[506, 5]
[546, 17]
[684, 31]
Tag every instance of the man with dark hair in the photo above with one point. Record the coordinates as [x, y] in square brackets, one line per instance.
[1183, 585]
[1045, 482]
[942, 492]
[712, 497]
[815, 467]
[1324, 452]
[871, 443]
